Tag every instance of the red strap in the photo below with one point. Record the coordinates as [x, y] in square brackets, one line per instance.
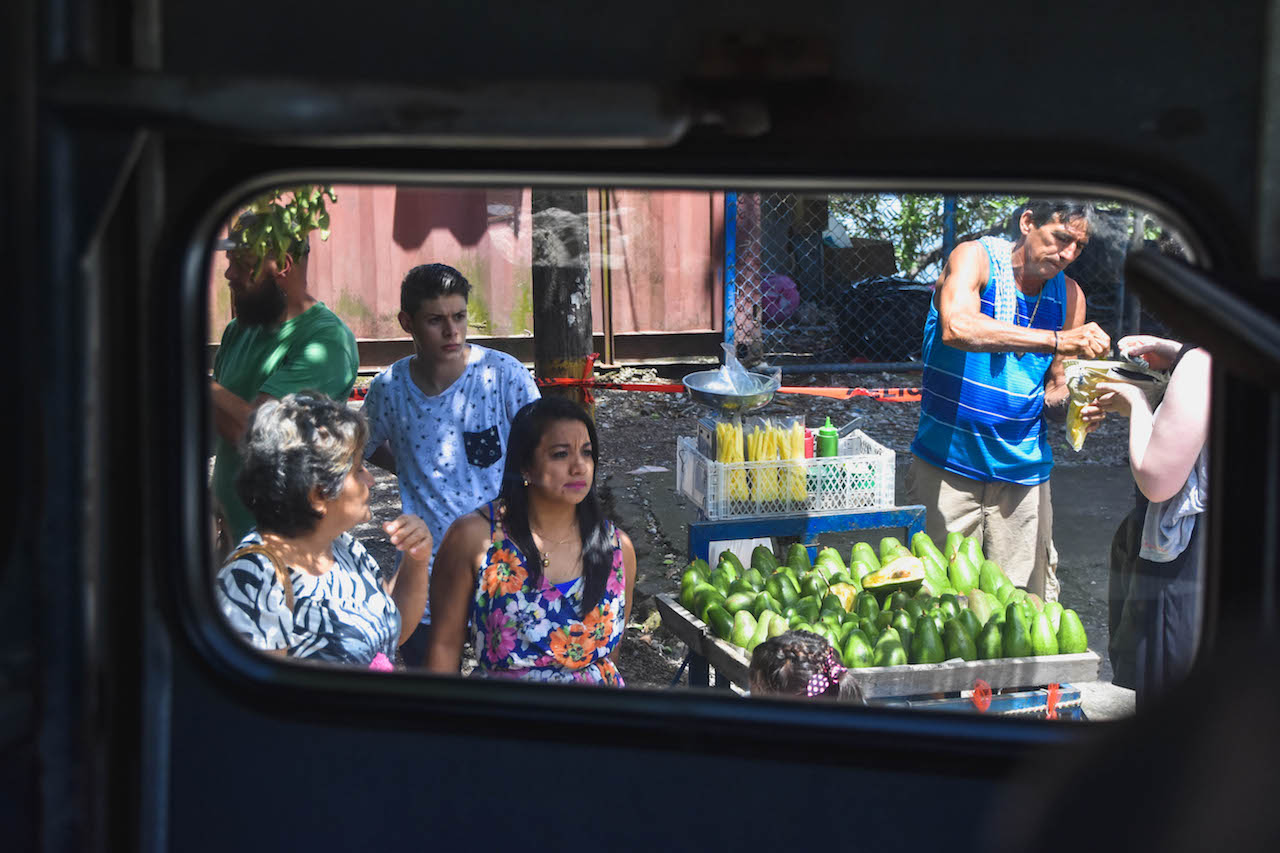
[1051, 702]
[587, 397]
[882, 395]
[981, 696]
[611, 386]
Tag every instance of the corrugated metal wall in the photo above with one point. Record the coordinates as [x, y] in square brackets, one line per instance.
[664, 252]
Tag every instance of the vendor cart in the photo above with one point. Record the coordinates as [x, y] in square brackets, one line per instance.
[949, 685]
[802, 498]
[851, 491]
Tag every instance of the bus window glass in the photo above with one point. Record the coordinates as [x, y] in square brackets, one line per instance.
[901, 449]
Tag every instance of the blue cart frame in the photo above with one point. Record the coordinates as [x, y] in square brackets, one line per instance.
[805, 527]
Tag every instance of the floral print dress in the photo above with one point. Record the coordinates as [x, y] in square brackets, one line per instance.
[536, 633]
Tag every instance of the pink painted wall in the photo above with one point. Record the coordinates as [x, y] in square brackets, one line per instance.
[665, 257]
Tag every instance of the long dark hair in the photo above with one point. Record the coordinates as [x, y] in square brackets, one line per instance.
[527, 429]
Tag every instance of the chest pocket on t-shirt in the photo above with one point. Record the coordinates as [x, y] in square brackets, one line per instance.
[483, 448]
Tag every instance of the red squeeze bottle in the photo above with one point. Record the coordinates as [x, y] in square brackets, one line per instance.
[808, 444]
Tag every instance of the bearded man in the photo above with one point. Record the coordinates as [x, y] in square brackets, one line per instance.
[282, 340]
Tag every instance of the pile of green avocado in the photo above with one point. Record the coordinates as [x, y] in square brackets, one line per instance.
[922, 605]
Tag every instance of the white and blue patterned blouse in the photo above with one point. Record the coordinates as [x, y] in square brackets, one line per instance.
[342, 616]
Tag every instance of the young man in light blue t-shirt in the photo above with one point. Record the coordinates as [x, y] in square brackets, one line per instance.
[439, 418]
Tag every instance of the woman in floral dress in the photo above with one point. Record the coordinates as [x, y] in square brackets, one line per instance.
[542, 578]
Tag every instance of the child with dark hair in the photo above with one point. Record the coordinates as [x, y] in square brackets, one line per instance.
[801, 663]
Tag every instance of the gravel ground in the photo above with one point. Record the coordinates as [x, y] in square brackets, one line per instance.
[639, 429]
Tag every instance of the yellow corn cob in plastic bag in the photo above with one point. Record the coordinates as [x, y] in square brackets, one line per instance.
[1082, 387]
[764, 479]
[781, 450]
[729, 451]
[791, 447]
[1083, 378]
[782, 444]
[738, 479]
[769, 453]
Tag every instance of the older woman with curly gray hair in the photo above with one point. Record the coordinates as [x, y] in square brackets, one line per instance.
[299, 583]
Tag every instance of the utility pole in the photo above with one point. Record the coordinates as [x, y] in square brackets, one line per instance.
[562, 333]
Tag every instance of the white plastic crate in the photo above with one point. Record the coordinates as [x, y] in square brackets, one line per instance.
[860, 477]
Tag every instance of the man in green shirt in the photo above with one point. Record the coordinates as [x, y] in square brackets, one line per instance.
[282, 340]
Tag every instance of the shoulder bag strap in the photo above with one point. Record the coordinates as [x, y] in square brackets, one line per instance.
[282, 574]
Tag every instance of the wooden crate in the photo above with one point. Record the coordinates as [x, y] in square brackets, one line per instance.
[883, 681]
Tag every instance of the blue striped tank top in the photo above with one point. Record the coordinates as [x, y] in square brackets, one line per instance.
[981, 414]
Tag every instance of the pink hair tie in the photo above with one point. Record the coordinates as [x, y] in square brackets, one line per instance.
[820, 682]
[381, 663]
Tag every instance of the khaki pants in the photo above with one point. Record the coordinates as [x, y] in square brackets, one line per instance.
[1013, 523]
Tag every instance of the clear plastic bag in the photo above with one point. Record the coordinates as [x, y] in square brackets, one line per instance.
[744, 383]
[778, 441]
[1083, 377]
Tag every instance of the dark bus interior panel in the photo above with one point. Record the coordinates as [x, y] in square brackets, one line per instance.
[128, 721]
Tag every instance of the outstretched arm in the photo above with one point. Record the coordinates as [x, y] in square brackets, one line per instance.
[408, 589]
[965, 327]
[1163, 446]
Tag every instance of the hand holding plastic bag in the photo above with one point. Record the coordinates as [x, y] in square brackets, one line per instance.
[1119, 397]
[1084, 379]
[1082, 388]
[1158, 353]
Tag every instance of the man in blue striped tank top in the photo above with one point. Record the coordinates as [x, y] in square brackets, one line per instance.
[1002, 319]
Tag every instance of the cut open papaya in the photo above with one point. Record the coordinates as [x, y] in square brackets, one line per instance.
[905, 574]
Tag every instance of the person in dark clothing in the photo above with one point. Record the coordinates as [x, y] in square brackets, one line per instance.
[1157, 555]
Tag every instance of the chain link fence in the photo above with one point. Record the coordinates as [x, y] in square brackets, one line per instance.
[836, 283]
